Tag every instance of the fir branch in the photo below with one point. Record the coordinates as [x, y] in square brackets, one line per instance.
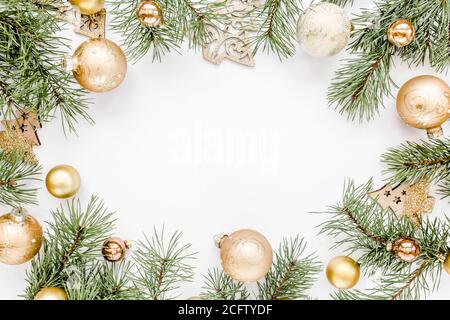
[162, 264]
[219, 286]
[114, 281]
[291, 275]
[444, 188]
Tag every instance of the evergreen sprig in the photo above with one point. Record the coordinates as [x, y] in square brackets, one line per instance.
[219, 286]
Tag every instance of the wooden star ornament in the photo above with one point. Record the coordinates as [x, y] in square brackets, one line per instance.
[406, 200]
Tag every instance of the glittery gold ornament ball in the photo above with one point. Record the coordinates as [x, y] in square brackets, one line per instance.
[246, 255]
[51, 293]
[20, 237]
[114, 249]
[150, 14]
[423, 102]
[446, 264]
[401, 33]
[63, 181]
[99, 65]
[343, 272]
[406, 249]
[87, 6]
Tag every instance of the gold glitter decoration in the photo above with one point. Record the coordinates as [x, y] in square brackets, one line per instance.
[26, 123]
[401, 33]
[406, 249]
[12, 142]
[409, 200]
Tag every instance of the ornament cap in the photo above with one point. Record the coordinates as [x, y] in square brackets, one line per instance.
[69, 63]
[19, 214]
[435, 132]
[218, 238]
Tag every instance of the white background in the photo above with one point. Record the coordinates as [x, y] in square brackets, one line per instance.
[158, 153]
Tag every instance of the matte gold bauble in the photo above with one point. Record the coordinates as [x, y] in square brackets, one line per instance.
[87, 6]
[114, 249]
[246, 255]
[51, 293]
[99, 65]
[446, 264]
[401, 33]
[406, 249]
[63, 181]
[150, 14]
[343, 272]
[20, 237]
[424, 103]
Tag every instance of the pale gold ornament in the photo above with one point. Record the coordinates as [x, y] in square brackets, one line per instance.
[87, 7]
[99, 65]
[446, 264]
[343, 272]
[63, 181]
[150, 14]
[245, 255]
[20, 237]
[51, 293]
[405, 249]
[114, 249]
[423, 102]
[401, 33]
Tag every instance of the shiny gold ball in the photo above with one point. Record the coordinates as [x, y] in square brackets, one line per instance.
[150, 14]
[87, 6]
[406, 249]
[401, 33]
[446, 264]
[423, 102]
[63, 181]
[99, 65]
[343, 272]
[51, 293]
[114, 249]
[20, 237]
[246, 255]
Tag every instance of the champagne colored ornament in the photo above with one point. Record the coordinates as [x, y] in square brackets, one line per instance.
[423, 102]
[87, 7]
[401, 33]
[446, 264]
[245, 255]
[51, 293]
[63, 181]
[323, 29]
[150, 14]
[20, 237]
[405, 248]
[99, 65]
[343, 272]
[114, 249]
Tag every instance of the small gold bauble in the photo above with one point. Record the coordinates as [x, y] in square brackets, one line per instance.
[20, 237]
[88, 6]
[99, 65]
[63, 181]
[423, 102]
[343, 272]
[401, 33]
[51, 293]
[246, 255]
[114, 249]
[406, 249]
[150, 14]
[446, 264]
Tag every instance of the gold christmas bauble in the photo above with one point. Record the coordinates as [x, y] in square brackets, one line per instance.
[406, 249]
[401, 33]
[150, 14]
[245, 255]
[423, 102]
[114, 249]
[20, 237]
[99, 65]
[63, 181]
[87, 6]
[343, 272]
[51, 293]
[446, 264]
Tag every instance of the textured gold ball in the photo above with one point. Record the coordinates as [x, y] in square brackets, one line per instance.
[51, 293]
[246, 255]
[114, 249]
[343, 272]
[423, 102]
[63, 181]
[150, 14]
[99, 65]
[446, 264]
[401, 33]
[20, 237]
[88, 6]
[406, 249]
